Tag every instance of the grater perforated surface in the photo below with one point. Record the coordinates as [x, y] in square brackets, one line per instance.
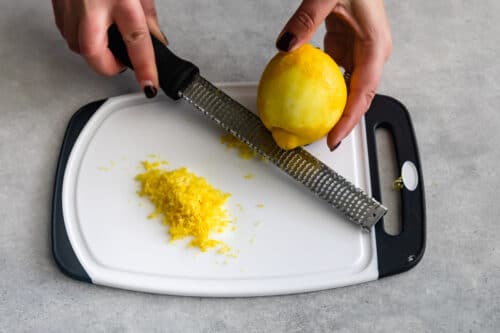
[324, 182]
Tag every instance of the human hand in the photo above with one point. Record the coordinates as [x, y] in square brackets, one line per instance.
[84, 24]
[357, 37]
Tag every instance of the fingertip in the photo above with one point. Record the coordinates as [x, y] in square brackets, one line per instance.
[149, 89]
[335, 146]
[340, 131]
[332, 141]
[133, 26]
[303, 24]
[286, 42]
[147, 76]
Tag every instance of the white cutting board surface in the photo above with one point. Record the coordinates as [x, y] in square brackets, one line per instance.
[293, 243]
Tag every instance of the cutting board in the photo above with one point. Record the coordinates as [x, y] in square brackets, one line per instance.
[285, 241]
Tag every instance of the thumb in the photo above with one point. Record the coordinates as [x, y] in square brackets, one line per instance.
[304, 23]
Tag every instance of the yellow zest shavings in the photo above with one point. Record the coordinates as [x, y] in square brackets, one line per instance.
[260, 205]
[248, 176]
[112, 164]
[189, 205]
[224, 249]
[233, 142]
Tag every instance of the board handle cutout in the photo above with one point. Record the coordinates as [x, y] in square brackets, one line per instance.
[398, 253]
[389, 174]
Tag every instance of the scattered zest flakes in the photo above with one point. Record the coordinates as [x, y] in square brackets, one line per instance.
[188, 204]
[224, 249]
[233, 142]
[260, 205]
[248, 176]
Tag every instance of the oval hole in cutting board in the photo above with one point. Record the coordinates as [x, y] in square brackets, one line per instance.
[388, 172]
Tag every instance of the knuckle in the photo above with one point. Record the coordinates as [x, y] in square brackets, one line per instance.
[388, 47]
[88, 49]
[305, 19]
[369, 95]
[135, 36]
[150, 10]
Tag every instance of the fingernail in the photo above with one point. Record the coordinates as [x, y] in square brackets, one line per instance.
[336, 146]
[149, 90]
[286, 41]
[123, 70]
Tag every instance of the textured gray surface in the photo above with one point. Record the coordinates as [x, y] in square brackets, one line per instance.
[444, 68]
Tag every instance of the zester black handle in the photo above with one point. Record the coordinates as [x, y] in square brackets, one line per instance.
[174, 73]
[397, 253]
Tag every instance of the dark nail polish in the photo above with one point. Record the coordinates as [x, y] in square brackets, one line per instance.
[286, 42]
[336, 146]
[150, 91]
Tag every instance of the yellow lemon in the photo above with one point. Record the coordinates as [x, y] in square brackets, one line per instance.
[301, 96]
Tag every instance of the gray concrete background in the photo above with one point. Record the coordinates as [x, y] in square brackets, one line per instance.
[445, 69]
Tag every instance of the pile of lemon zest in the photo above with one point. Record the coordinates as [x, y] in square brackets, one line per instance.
[189, 205]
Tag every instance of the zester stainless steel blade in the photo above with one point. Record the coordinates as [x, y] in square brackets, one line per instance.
[353, 202]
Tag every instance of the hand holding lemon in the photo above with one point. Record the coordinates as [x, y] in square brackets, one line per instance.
[358, 38]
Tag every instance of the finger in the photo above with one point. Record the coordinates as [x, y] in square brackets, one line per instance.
[364, 83]
[339, 42]
[131, 22]
[93, 43]
[304, 23]
[71, 26]
[149, 9]
[58, 8]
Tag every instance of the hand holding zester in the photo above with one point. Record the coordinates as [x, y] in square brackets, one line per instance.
[84, 24]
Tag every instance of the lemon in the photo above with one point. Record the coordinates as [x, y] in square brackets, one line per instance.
[301, 96]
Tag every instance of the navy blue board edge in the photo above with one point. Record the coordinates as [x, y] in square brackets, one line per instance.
[62, 251]
[399, 253]
[395, 254]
